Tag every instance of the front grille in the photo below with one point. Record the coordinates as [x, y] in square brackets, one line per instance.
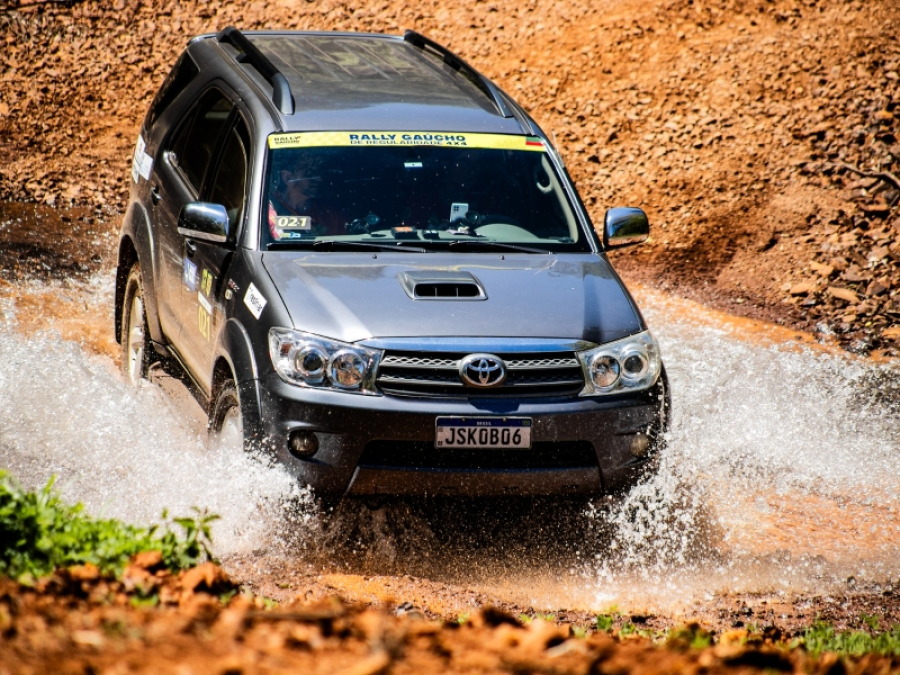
[437, 374]
[423, 455]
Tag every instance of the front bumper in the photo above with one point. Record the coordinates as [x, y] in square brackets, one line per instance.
[346, 424]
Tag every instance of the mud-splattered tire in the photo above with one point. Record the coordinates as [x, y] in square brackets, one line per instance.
[134, 338]
[226, 423]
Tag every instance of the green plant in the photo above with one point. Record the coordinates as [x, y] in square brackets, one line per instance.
[39, 533]
[873, 621]
[627, 629]
[822, 637]
[691, 635]
[605, 622]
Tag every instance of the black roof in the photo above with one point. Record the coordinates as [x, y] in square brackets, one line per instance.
[351, 81]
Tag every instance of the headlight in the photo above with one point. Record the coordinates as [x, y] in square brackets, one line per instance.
[626, 365]
[312, 361]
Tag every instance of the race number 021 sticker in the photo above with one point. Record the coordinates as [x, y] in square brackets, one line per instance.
[255, 301]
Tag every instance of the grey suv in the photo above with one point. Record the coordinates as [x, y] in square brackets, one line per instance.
[372, 263]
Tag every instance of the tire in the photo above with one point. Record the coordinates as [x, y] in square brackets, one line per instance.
[226, 421]
[135, 339]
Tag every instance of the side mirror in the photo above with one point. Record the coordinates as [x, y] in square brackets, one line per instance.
[204, 221]
[625, 226]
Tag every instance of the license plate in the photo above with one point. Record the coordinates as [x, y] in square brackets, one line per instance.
[483, 432]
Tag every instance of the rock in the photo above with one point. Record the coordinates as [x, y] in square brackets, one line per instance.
[875, 287]
[147, 560]
[839, 264]
[879, 253]
[206, 577]
[853, 274]
[823, 270]
[843, 294]
[803, 288]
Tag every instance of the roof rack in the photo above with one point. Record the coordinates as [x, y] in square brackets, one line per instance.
[281, 90]
[452, 60]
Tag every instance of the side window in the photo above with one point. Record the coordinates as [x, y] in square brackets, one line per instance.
[181, 75]
[193, 145]
[229, 184]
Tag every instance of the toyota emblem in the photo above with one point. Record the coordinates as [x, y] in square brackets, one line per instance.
[482, 370]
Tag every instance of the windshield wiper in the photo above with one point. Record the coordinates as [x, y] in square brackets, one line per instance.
[339, 245]
[463, 244]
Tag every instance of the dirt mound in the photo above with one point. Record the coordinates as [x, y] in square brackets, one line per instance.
[760, 136]
[78, 622]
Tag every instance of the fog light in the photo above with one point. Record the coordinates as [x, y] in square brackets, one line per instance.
[640, 445]
[303, 444]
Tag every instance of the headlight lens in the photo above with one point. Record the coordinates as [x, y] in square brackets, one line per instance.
[631, 364]
[604, 371]
[312, 361]
[347, 370]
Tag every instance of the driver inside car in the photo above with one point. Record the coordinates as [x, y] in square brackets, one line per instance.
[299, 205]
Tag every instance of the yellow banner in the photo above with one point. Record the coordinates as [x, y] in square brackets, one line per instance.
[317, 139]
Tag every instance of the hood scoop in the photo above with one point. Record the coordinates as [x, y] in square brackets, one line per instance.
[442, 285]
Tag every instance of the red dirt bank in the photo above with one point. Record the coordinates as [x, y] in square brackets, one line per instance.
[732, 123]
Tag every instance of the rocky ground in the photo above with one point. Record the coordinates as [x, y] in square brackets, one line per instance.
[760, 136]
[153, 621]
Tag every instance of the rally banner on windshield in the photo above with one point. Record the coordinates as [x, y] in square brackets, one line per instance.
[313, 139]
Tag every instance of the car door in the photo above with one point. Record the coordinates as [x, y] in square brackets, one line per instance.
[181, 166]
[204, 305]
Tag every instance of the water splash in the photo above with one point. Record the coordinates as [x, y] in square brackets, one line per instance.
[779, 474]
[124, 452]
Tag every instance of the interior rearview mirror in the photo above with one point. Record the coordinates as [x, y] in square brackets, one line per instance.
[204, 221]
[625, 226]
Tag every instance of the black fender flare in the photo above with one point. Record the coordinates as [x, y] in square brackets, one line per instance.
[136, 245]
[236, 349]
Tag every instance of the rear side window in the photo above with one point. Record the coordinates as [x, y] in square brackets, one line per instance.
[194, 143]
[181, 75]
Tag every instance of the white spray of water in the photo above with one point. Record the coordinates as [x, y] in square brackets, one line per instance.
[125, 452]
[770, 453]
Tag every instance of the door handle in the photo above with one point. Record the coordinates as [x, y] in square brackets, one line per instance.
[154, 194]
[190, 247]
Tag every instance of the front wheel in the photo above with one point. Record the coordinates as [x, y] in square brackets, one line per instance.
[226, 423]
[134, 337]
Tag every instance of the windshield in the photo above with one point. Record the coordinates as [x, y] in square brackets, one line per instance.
[416, 189]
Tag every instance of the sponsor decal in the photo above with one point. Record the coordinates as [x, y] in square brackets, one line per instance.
[255, 301]
[366, 138]
[206, 280]
[204, 319]
[190, 275]
[204, 303]
[142, 163]
[288, 227]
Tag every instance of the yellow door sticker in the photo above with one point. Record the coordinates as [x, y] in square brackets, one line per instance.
[313, 139]
[206, 280]
[203, 319]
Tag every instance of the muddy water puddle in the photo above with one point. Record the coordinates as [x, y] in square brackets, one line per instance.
[780, 476]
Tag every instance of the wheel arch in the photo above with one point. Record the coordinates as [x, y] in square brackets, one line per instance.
[127, 258]
[136, 245]
[235, 360]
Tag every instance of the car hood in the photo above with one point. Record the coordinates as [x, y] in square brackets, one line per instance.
[355, 296]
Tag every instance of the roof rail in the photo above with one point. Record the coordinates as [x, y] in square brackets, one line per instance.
[281, 90]
[452, 60]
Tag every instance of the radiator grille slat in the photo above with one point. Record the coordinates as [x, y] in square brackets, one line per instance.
[403, 373]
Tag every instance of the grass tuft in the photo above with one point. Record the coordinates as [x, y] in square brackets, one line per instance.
[821, 637]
